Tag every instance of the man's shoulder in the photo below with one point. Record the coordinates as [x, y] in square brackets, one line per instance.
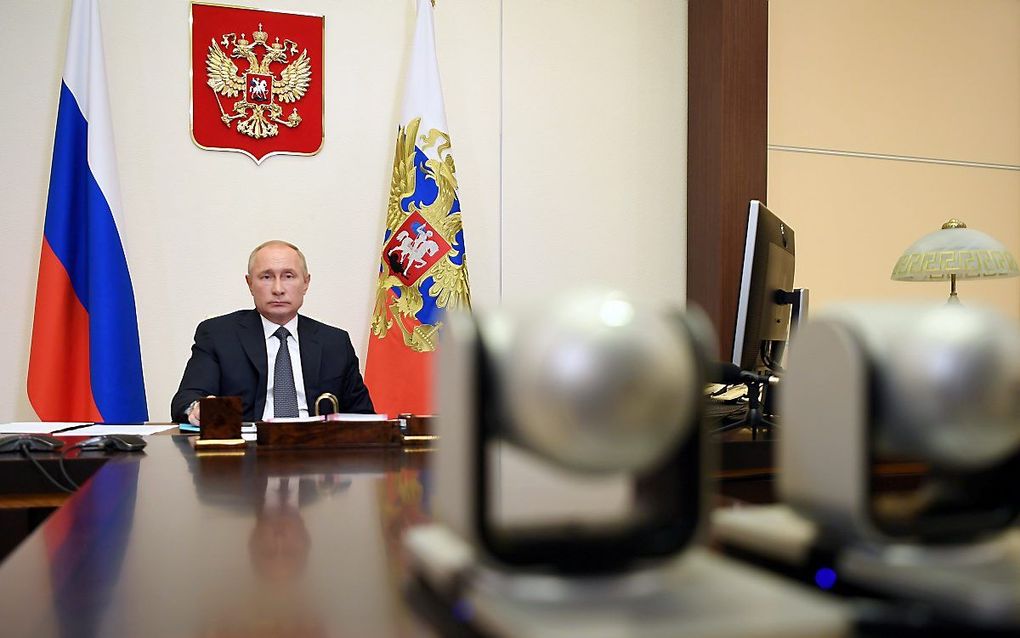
[319, 328]
[228, 321]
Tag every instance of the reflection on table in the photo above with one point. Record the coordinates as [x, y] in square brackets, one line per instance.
[179, 543]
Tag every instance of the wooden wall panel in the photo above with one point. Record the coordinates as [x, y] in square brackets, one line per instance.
[726, 152]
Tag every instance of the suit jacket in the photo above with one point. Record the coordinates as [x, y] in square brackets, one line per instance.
[229, 359]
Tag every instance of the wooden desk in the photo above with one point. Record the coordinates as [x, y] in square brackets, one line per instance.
[27, 498]
[174, 543]
[226, 543]
[17, 482]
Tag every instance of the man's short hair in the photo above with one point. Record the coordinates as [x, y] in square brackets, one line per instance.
[277, 242]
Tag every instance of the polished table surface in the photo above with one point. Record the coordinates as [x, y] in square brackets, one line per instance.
[175, 542]
[219, 544]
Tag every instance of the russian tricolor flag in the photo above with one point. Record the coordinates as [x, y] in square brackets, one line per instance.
[423, 267]
[85, 363]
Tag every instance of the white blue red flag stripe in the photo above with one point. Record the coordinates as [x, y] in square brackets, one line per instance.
[85, 363]
[423, 264]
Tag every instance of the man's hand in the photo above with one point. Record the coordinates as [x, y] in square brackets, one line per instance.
[193, 415]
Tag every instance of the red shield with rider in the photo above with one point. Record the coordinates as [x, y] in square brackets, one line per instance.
[413, 249]
[258, 88]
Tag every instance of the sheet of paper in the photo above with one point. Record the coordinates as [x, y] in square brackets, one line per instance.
[36, 427]
[733, 393]
[141, 430]
[348, 416]
[342, 416]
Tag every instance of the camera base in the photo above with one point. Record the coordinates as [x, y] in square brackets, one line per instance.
[976, 585]
[698, 593]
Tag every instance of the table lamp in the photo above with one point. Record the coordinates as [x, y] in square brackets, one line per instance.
[956, 252]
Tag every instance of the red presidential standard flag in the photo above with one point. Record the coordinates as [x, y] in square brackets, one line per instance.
[256, 81]
[422, 268]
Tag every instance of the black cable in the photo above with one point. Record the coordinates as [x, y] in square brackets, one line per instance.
[23, 447]
[771, 358]
[722, 390]
[732, 414]
[736, 425]
[63, 468]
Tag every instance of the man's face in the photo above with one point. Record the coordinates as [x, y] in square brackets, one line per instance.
[278, 283]
[279, 545]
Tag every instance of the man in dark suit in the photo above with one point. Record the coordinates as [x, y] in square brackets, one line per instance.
[277, 361]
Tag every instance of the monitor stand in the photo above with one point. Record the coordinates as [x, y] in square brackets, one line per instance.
[798, 298]
[760, 413]
[761, 401]
[760, 417]
[698, 593]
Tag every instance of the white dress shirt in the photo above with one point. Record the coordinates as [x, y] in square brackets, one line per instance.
[272, 348]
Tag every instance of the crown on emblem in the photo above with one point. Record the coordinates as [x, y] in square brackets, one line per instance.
[260, 35]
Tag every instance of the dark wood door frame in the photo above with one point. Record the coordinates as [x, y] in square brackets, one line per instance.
[727, 124]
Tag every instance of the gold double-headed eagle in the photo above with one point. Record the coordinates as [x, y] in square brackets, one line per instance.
[258, 119]
[449, 285]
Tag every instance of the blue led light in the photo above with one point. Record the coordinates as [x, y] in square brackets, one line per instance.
[462, 610]
[825, 578]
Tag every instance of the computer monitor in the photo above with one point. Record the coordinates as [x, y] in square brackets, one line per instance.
[766, 299]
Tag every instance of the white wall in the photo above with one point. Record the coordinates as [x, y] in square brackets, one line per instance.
[568, 121]
[595, 146]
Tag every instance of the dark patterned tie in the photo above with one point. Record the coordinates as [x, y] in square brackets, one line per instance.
[284, 393]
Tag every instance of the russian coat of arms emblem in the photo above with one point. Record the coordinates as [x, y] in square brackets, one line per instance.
[256, 81]
[423, 272]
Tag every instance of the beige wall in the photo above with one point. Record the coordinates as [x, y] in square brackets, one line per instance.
[934, 83]
[567, 120]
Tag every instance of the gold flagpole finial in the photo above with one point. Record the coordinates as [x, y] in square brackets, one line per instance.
[433, 4]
